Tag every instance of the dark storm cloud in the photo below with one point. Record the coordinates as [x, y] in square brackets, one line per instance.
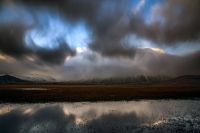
[190, 64]
[171, 65]
[12, 44]
[108, 34]
[11, 40]
[55, 56]
[174, 21]
[105, 18]
[73, 10]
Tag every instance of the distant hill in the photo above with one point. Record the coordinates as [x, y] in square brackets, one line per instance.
[186, 79]
[36, 78]
[121, 80]
[7, 79]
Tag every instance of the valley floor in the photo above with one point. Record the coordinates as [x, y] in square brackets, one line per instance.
[80, 93]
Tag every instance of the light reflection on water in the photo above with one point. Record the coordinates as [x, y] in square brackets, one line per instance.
[40, 89]
[107, 117]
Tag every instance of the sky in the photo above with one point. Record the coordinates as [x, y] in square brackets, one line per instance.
[84, 39]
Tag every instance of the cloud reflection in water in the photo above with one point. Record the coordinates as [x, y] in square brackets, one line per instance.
[143, 116]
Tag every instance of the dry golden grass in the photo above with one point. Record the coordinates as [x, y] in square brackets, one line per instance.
[78, 93]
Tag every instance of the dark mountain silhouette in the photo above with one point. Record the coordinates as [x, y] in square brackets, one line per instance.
[186, 79]
[7, 79]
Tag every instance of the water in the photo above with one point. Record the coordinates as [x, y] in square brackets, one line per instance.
[41, 89]
[150, 116]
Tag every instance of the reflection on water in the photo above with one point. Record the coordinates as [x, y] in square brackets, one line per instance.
[41, 89]
[103, 117]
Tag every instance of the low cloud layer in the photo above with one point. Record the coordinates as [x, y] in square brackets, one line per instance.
[146, 62]
[88, 65]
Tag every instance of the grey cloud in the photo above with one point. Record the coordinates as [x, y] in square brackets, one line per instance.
[55, 56]
[146, 62]
[11, 39]
[110, 22]
[174, 21]
[104, 18]
[88, 65]
[12, 44]
[151, 63]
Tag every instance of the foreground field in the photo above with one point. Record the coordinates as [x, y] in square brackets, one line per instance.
[78, 93]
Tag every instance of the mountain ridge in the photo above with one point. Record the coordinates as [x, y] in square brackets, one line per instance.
[7, 79]
[185, 79]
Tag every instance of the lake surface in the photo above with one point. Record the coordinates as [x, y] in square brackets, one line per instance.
[150, 116]
[26, 89]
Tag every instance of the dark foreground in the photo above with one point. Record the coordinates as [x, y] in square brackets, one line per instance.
[77, 93]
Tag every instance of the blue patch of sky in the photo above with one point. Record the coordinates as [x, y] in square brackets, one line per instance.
[146, 10]
[49, 29]
[135, 41]
[15, 14]
[132, 4]
[54, 30]
[177, 49]
[78, 35]
[183, 48]
[46, 33]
